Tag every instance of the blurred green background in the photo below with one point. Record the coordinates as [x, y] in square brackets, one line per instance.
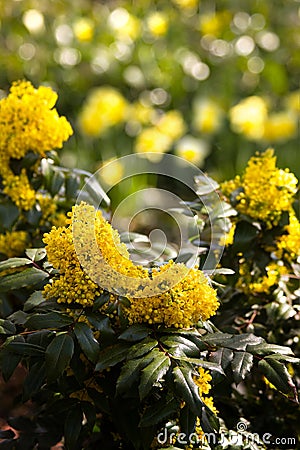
[212, 81]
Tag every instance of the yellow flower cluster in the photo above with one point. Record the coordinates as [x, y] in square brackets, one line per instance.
[288, 245]
[18, 188]
[203, 382]
[88, 240]
[105, 107]
[250, 282]
[28, 122]
[190, 300]
[208, 115]
[251, 118]
[13, 243]
[159, 138]
[266, 191]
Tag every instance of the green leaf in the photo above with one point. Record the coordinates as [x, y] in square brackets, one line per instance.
[57, 181]
[244, 234]
[135, 332]
[8, 362]
[153, 373]
[205, 364]
[266, 349]
[181, 345]
[72, 183]
[157, 412]
[58, 355]
[25, 348]
[12, 263]
[27, 277]
[35, 299]
[73, 425]
[9, 213]
[112, 355]
[34, 380]
[284, 358]
[48, 320]
[36, 254]
[187, 420]
[131, 372]
[7, 327]
[241, 364]
[142, 348]
[89, 345]
[19, 317]
[222, 357]
[277, 374]
[218, 338]
[100, 301]
[187, 389]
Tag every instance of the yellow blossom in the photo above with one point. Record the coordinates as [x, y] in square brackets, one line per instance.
[280, 126]
[214, 23]
[264, 191]
[157, 23]
[28, 122]
[111, 172]
[84, 29]
[249, 116]
[13, 243]
[172, 124]
[255, 282]
[18, 188]
[208, 116]
[293, 101]
[124, 24]
[104, 107]
[152, 140]
[192, 149]
[180, 304]
[288, 245]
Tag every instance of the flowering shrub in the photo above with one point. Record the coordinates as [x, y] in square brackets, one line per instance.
[116, 355]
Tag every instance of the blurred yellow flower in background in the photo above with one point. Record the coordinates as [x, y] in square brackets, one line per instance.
[103, 108]
[172, 124]
[124, 24]
[293, 101]
[186, 4]
[248, 117]
[152, 140]
[213, 23]
[208, 115]
[280, 126]
[111, 174]
[192, 149]
[157, 23]
[84, 29]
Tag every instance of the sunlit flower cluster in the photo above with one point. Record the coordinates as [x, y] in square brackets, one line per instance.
[105, 107]
[28, 123]
[251, 118]
[13, 243]
[254, 281]
[263, 192]
[183, 305]
[208, 116]
[288, 245]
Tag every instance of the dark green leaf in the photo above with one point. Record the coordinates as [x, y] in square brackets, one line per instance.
[181, 344]
[89, 411]
[218, 338]
[34, 300]
[241, 364]
[19, 317]
[34, 380]
[202, 363]
[27, 277]
[48, 320]
[153, 373]
[131, 372]
[33, 216]
[277, 374]
[7, 327]
[159, 411]
[57, 181]
[142, 348]
[134, 333]
[112, 355]
[87, 342]
[25, 349]
[9, 213]
[8, 363]
[41, 338]
[187, 420]
[244, 234]
[72, 183]
[222, 357]
[73, 425]
[266, 349]
[58, 355]
[100, 301]
[12, 263]
[187, 389]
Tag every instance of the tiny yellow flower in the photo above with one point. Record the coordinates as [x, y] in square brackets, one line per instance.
[84, 29]
[157, 23]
